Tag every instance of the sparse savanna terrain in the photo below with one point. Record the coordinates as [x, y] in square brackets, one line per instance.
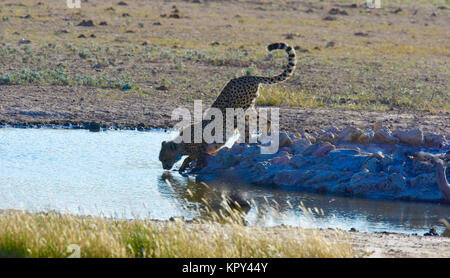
[130, 63]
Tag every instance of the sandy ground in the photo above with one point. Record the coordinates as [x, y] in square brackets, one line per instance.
[400, 245]
[60, 105]
[372, 245]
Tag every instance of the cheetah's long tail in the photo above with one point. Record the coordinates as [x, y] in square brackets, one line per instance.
[290, 67]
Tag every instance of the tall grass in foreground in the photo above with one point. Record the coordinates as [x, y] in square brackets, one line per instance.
[221, 232]
[24, 234]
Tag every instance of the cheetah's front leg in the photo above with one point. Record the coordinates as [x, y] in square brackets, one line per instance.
[185, 164]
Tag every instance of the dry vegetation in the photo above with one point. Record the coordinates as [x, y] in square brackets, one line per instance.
[396, 57]
[54, 235]
[219, 232]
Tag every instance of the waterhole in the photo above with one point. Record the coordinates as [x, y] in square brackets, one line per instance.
[118, 174]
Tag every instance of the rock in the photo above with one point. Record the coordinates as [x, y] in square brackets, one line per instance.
[346, 160]
[386, 161]
[423, 180]
[393, 183]
[238, 148]
[376, 170]
[350, 134]
[252, 151]
[280, 160]
[94, 127]
[288, 177]
[126, 87]
[327, 136]
[412, 137]
[285, 140]
[348, 147]
[177, 219]
[330, 44]
[299, 161]
[162, 88]
[237, 200]
[332, 129]
[86, 23]
[24, 41]
[371, 164]
[361, 34]
[418, 167]
[247, 162]
[366, 137]
[343, 152]
[335, 11]
[362, 183]
[377, 126]
[261, 168]
[432, 232]
[329, 18]
[309, 137]
[322, 151]
[433, 140]
[227, 158]
[286, 149]
[300, 145]
[322, 176]
[311, 149]
[383, 136]
[63, 31]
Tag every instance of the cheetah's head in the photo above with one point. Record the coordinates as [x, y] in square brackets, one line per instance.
[170, 153]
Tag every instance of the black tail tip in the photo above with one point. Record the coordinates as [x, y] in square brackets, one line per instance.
[278, 45]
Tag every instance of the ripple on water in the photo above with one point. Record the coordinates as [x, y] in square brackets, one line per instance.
[117, 173]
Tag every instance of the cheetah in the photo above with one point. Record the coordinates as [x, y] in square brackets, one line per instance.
[240, 92]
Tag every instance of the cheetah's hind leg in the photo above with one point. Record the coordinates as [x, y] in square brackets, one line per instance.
[260, 119]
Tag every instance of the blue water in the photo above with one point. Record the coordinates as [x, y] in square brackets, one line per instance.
[117, 174]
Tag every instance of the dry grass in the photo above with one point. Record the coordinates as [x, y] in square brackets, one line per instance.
[400, 63]
[220, 232]
[54, 235]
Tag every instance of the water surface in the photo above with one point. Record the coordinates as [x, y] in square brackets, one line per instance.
[117, 173]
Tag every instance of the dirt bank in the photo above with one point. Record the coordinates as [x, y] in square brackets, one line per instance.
[59, 105]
